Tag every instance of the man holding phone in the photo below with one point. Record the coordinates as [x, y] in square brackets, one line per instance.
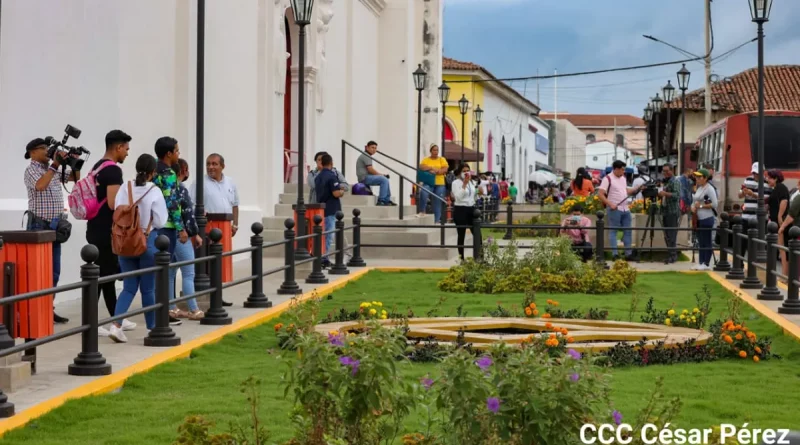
[575, 227]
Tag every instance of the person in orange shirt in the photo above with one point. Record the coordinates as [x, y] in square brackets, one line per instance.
[582, 184]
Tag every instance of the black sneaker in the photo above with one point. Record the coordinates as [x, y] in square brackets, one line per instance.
[59, 319]
[226, 303]
[174, 321]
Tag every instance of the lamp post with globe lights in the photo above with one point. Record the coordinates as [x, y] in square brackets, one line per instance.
[463, 106]
[444, 97]
[420, 79]
[478, 119]
[657, 112]
[683, 85]
[648, 117]
[669, 94]
[759, 12]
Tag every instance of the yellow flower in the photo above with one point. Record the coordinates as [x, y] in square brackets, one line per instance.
[671, 312]
[668, 322]
[333, 333]
[695, 310]
[694, 319]
[373, 312]
[383, 316]
[377, 303]
[383, 312]
[365, 305]
[682, 317]
[685, 312]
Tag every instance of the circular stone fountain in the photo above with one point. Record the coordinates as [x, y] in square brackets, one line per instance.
[588, 335]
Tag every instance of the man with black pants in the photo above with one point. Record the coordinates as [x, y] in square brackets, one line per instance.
[329, 190]
[43, 181]
[166, 179]
[108, 178]
[670, 211]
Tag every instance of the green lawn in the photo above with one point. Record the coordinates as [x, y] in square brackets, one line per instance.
[150, 407]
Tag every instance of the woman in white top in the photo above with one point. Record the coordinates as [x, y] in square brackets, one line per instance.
[463, 190]
[152, 216]
[704, 204]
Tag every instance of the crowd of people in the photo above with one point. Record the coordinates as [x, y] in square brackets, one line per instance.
[156, 198]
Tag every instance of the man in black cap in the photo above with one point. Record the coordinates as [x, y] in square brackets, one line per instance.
[43, 180]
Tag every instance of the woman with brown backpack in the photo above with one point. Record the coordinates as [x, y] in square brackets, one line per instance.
[139, 212]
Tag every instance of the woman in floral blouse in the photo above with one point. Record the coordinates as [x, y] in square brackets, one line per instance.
[185, 251]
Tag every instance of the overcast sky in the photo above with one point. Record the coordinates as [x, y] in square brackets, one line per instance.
[514, 38]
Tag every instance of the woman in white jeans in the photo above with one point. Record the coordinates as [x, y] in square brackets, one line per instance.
[185, 251]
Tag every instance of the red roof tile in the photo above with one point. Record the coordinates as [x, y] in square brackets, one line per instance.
[740, 92]
[457, 65]
[597, 120]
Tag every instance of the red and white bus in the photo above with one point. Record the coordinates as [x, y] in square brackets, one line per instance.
[730, 147]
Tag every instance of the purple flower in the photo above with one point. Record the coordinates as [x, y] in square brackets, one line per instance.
[427, 383]
[493, 404]
[351, 362]
[574, 354]
[336, 340]
[617, 417]
[490, 240]
[574, 377]
[484, 362]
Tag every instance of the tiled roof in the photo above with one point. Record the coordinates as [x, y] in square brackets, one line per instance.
[781, 91]
[457, 65]
[597, 120]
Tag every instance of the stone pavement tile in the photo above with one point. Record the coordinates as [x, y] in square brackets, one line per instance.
[52, 380]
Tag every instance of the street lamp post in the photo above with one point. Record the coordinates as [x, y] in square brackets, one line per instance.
[657, 112]
[202, 280]
[302, 17]
[683, 84]
[420, 79]
[669, 95]
[478, 119]
[463, 105]
[444, 96]
[759, 12]
[648, 117]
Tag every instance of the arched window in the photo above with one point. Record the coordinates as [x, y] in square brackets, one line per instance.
[591, 138]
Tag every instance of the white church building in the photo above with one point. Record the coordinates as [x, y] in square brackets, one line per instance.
[131, 64]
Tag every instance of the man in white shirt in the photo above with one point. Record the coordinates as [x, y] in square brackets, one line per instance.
[220, 194]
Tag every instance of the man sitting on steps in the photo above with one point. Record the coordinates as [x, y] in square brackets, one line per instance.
[368, 176]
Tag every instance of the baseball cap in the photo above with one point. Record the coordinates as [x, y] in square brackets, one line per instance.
[702, 172]
[32, 145]
[754, 168]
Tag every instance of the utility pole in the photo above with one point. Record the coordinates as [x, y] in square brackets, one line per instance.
[708, 62]
[615, 139]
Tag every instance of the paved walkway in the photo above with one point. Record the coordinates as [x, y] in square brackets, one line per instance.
[52, 380]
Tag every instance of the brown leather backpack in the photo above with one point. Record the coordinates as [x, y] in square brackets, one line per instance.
[127, 237]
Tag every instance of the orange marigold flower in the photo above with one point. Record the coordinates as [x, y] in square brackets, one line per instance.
[532, 306]
[758, 350]
[536, 312]
[552, 336]
[756, 359]
[739, 336]
[743, 354]
[546, 316]
[738, 327]
[528, 311]
[564, 331]
[278, 327]
[570, 339]
[727, 339]
[548, 325]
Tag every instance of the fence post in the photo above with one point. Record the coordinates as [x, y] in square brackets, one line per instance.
[6, 323]
[791, 305]
[355, 259]
[316, 276]
[443, 221]
[737, 271]
[338, 267]
[289, 285]
[216, 315]
[257, 299]
[510, 221]
[477, 237]
[401, 204]
[89, 362]
[770, 290]
[600, 239]
[752, 281]
[724, 226]
[161, 335]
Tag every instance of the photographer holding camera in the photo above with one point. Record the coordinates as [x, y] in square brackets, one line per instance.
[670, 211]
[43, 181]
[704, 205]
[575, 227]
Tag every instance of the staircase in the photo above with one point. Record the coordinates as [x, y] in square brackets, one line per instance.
[371, 213]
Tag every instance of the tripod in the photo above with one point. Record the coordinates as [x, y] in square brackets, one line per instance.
[650, 224]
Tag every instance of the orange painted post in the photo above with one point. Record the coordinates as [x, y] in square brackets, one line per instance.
[32, 254]
[223, 222]
[311, 210]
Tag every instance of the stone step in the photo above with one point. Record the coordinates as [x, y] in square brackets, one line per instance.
[277, 222]
[291, 189]
[347, 199]
[370, 212]
[408, 237]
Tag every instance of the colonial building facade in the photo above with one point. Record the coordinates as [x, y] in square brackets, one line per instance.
[101, 65]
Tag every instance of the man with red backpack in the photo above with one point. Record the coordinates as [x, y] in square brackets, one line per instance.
[107, 176]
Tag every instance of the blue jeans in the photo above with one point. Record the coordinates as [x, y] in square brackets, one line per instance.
[183, 252]
[41, 225]
[330, 224]
[618, 218]
[144, 283]
[385, 195]
[704, 239]
[438, 190]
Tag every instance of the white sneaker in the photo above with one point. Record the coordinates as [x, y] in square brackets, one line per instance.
[117, 335]
[703, 267]
[102, 331]
[128, 325]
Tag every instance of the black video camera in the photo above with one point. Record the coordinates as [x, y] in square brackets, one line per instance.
[649, 190]
[74, 157]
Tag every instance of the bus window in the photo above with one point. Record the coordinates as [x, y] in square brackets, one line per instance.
[781, 141]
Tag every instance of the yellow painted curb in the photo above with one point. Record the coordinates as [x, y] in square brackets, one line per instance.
[411, 269]
[117, 379]
[787, 326]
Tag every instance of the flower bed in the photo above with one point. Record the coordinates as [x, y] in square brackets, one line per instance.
[591, 204]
